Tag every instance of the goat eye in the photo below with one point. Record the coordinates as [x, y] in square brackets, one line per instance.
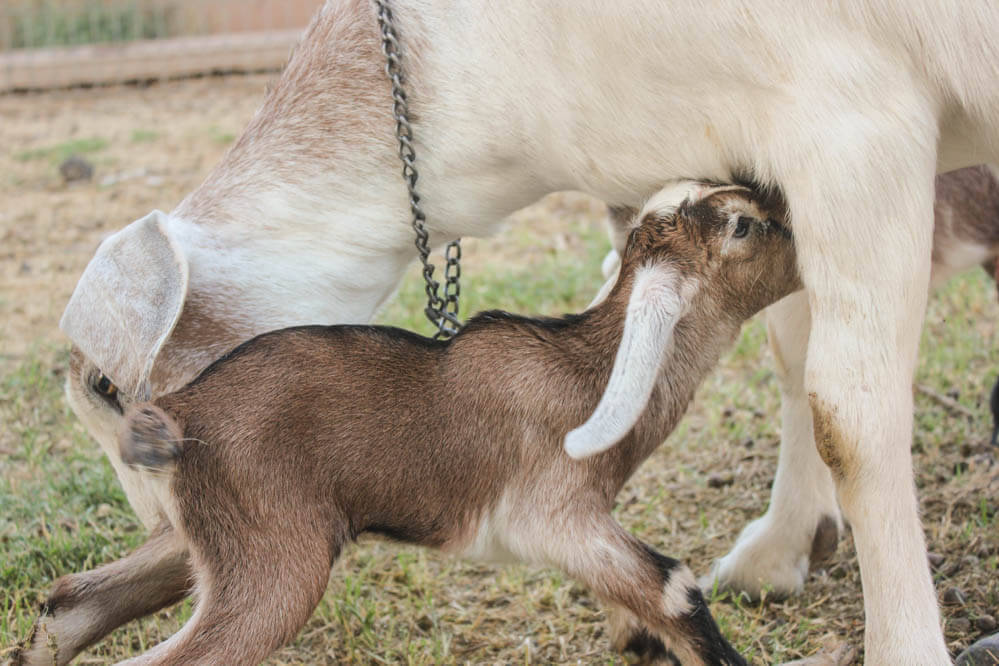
[105, 387]
[742, 227]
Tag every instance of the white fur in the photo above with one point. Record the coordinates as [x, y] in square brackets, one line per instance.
[959, 257]
[611, 268]
[657, 302]
[676, 592]
[849, 107]
[773, 551]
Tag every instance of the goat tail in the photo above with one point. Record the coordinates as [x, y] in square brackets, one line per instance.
[150, 438]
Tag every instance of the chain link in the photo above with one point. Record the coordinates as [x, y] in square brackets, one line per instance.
[442, 311]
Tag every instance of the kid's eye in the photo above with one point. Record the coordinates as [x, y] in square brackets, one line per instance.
[105, 388]
[742, 227]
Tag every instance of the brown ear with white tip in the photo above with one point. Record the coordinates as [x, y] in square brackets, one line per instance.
[657, 302]
[127, 302]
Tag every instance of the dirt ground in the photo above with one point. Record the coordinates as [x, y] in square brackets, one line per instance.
[151, 146]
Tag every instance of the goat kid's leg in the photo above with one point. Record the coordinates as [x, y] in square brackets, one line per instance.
[628, 634]
[83, 608]
[669, 621]
[254, 595]
[862, 214]
[802, 524]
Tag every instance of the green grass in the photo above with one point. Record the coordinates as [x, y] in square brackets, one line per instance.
[52, 23]
[550, 284]
[61, 509]
[60, 151]
[144, 136]
[221, 136]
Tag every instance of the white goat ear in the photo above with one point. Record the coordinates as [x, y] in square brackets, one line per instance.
[127, 302]
[654, 307]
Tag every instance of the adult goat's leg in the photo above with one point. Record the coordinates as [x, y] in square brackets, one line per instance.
[801, 526]
[82, 608]
[862, 214]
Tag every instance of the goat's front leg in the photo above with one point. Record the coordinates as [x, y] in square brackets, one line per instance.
[861, 202]
[82, 608]
[802, 524]
[665, 617]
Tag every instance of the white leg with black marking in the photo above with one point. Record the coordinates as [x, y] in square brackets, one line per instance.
[668, 614]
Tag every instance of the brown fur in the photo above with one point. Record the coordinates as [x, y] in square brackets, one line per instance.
[203, 333]
[302, 439]
[833, 448]
[967, 209]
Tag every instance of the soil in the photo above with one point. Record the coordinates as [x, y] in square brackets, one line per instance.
[159, 142]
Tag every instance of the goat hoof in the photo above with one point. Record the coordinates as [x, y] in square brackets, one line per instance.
[37, 648]
[773, 557]
[983, 653]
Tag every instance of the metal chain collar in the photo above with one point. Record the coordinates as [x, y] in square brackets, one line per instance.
[441, 310]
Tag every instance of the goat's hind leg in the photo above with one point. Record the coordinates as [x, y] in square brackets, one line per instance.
[801, 526]
[84, 607]
[254, 593]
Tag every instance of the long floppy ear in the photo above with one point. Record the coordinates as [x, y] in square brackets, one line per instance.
[655, 305]
[127, 302]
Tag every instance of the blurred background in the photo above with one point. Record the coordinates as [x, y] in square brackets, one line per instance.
[49, 43]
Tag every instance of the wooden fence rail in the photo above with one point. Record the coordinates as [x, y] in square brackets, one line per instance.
[37, 69]
[60, 43]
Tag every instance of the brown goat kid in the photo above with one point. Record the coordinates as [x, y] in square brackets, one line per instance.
[288, 448]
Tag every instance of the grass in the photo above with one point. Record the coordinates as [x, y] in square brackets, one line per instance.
[50, 23]
[220, 136]
[144, 136]
[60, 151]
[61, 509]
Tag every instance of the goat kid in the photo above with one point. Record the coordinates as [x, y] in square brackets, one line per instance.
[851, 108]
[336, 431]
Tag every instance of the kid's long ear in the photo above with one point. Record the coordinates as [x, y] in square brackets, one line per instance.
[655, 305]
[127, 302]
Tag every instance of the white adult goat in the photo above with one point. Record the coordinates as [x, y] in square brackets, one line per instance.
[850, 107]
